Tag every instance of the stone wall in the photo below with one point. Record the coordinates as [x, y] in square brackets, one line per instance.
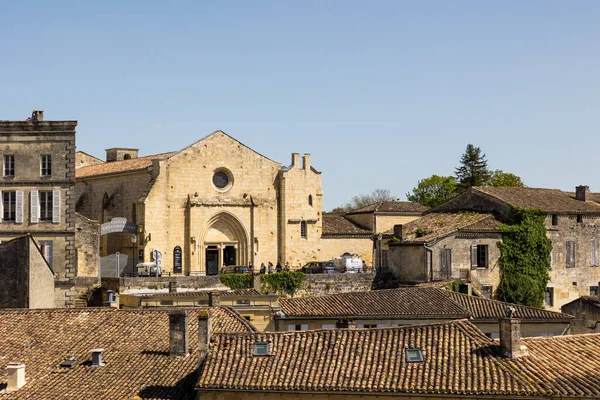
[14, 286]
[333, 247]
[86, 243]
[323, 284]
[188, 282]
[41, 279]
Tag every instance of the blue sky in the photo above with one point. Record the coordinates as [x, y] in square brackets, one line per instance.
[381, 93]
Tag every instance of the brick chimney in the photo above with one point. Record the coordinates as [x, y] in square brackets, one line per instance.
[510, 335]
[581, 193]
[178, 333]
[306, 162]
[398, 231]
[16, 377]
[214, 298]
[37, 115]
[204, 334]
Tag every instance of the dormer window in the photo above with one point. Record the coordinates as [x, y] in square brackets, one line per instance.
[261, 348]
[414, 355]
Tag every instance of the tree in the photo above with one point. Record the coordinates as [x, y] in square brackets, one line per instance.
[473, 170]
[362, 200]
[433, 191]
[501, 178]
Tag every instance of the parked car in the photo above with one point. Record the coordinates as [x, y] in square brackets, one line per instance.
[349, 263]
[319, 267]
[235, 269]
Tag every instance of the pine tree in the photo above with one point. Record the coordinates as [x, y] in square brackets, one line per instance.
[473, 170]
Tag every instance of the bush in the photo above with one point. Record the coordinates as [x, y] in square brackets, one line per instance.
[285, 282]
[237, 281]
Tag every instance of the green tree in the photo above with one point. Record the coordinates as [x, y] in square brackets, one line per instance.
[362, 200]
[501, 178]
[433, 191]
[473, 170]
[524, 259]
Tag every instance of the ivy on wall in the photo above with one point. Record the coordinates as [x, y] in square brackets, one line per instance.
[285, 282]
[524, 258]
[237, 281]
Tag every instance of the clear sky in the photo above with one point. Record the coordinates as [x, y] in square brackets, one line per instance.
[381, 93]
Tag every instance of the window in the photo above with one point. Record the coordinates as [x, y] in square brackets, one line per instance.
[414, 355]
[9, 165]
[46, 247]
[486, 291]
[9, 205]
[570, 253]
[369, 326]
[310, 200]
[298, 327]
[549, 297]
[303, 229]
[46, 165]
[45, 206]
[248, 318]
[479, 256]
[554, 220]
[261, 349]
[579, 219]
[594, 291]
[594, 252]
[328, 326]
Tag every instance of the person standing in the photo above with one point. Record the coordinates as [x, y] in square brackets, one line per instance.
[278, 268]
[287, 266]
[270, 267]
[263, 269]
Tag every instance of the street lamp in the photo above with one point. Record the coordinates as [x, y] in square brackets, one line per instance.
[379, 239]
[133, 243]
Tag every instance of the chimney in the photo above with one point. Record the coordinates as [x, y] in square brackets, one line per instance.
[295, 159]
[510, 335]
[37, 115]
[204, 334]
[173, 287]
[345, 324]
[398, 231]
[214, 298]
[16, 376]
[178, 333]
[97, 358]
[581, 193]
[306, 162]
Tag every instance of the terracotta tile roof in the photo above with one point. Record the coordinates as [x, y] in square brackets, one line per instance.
[480, 308]
[115, 167]
[415, 302]
[203, 293]
[553, 201]
[135, 342]
[458, 359]
[391, 206]
[435, 225]
[336, 224]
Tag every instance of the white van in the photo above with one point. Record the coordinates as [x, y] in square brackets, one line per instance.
[349, 263]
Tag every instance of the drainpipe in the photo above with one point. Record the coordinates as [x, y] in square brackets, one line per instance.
[430, 251]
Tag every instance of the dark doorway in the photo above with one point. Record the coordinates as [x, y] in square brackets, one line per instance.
[229, 255]
[446, 264]
[212, 261]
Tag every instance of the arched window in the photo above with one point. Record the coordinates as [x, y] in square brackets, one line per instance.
[310, 200]
[127, 157]
[303, 229]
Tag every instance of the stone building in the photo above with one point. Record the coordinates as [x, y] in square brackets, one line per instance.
[460, 239]
[586, 311]
[37, 189]
[216, 202]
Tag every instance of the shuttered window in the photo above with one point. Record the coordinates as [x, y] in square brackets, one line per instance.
[9, 206]
[479, 256]
[19, 206]
[570, 253]
[45, 206]
[303, 229]
[594, 252]
[56, 206]
[34, 205]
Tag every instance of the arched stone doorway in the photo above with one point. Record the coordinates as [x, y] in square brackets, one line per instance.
[224, 241]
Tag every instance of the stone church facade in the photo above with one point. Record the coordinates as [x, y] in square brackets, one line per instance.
[215, 202]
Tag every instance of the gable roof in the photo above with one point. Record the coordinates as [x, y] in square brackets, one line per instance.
[336, 224]
[136, 352]
[362, 360]
[458, 359]
[410, 303]
[593, 301]
[391, 207]
[116, 167]
[436, 225]
[552, 201]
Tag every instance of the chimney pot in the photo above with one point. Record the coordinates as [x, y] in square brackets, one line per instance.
[97, 358]
[37, 115]
[581, 192]
[214, 298]
[178, 333]
[16, 376]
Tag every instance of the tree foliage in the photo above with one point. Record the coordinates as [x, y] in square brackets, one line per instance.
[501, 178]
[524, 259]
[473, 170]
[433, 191]
[285, 282]
[362, 200]
[236, 281]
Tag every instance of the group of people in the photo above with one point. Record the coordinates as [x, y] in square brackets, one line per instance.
[268, 269]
